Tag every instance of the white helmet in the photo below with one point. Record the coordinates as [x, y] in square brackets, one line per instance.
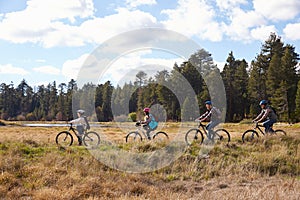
[80, 111]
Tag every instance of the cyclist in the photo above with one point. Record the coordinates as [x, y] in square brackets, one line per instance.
[213, 115]
[267, 116]
[81, 124]
[149, 123]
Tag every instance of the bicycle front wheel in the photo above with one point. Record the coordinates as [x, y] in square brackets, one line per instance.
[161, 136]
[64, 139]
[250, 136]
[91, 139]
[133, 136]
[193, 135]
[222, 135]
[280, 132]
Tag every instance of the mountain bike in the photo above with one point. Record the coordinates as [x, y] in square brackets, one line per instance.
[65, 138]
[252, 135]
[141, 134]
[196, 135]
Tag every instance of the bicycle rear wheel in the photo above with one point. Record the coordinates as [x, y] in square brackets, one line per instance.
[161, 136]
[64, 139]
[193, 135]
[222, 135]
[91, 139]
[280, 132]
[250, 136]
[133, 136]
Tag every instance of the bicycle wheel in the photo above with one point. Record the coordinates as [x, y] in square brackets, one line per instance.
[91, 139]
[222, 135]
[250, 136]
[64, 139]
[193, 135]
[280, 132]
[133, 136]
[161, 136]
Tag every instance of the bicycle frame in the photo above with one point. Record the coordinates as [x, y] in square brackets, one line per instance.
[257, 126]
[200, 125]
[71, 128]
[141, 129]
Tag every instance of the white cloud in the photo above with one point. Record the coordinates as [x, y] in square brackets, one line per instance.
[34, 23]
[71, 68]
[220, 65]
[241, 23]
[229, 4]
[10, 69]
[48, 69]
[119, 71]
[292, 31]
[193, 17]
[49, 31]
[261, 33]
[137, 3]
[100, 29]
[124, 69]
[278, 10]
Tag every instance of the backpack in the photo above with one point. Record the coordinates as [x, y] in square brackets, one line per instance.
[274, 110]
[87, 123]
[218, 113]
[153, 123]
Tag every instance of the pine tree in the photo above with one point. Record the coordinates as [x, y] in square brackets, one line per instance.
[289, 62]
[297, 102]
[280, 101]
[274, 75]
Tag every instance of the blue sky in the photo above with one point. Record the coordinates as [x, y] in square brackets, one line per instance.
[43, 41]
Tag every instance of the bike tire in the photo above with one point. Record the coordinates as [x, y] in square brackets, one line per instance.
[250, 136]
[194, 135]
[133, 136]
[91, 139]
[161, 136]
[64, 139]
[280, 132]
[222, 135]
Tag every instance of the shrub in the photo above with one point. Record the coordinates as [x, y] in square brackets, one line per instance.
[30, 117]
[21, 118]
[132, 116]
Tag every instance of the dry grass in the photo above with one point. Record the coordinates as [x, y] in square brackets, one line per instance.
[32, 167]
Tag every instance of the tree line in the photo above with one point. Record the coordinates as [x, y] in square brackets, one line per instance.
[272, 75]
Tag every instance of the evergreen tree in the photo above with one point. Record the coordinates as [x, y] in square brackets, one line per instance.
[297, 102]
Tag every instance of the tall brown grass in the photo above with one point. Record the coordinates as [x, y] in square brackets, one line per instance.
[32, 167]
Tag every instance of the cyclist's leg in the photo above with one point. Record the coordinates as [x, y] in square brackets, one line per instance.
[80, 130]
[209, 128]
[268, 126]
[271, 130]
[148, 130]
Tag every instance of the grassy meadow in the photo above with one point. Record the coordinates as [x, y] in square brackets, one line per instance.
[33, 167]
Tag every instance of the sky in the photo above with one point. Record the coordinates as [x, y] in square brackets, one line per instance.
[43, 41]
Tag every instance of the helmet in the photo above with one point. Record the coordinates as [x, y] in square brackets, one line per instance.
[263, 102]
[80, 111]
[208, 102]
[146, 110]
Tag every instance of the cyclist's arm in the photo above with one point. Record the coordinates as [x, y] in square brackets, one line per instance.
[258, 118]
[146, 121]
[264, 116]
[205, 116]
[77, 121]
